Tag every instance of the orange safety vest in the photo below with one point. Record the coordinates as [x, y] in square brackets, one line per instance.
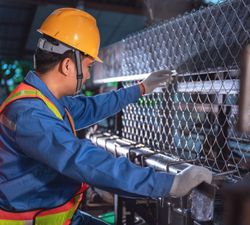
[62, 214]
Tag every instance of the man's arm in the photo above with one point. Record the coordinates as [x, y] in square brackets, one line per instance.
[89, 110]
[82, 161]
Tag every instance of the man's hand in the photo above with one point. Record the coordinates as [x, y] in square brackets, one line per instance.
[160, 78]
[189, 178]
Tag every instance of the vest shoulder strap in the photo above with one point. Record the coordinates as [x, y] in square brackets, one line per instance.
[26, 91]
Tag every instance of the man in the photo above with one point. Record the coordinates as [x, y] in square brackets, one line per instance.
[44, 166]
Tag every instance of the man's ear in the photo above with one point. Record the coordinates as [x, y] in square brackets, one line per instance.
[65, 66]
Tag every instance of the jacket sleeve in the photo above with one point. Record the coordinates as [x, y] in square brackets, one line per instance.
[49, 141]
[89, 110]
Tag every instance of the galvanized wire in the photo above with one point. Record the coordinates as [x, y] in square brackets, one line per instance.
[195, 117]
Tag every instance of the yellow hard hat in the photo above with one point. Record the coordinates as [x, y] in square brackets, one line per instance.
[74, 28]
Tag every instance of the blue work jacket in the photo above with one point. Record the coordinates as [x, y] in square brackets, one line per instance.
[42, 163]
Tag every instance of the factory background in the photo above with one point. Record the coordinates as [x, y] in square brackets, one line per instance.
[116, 20]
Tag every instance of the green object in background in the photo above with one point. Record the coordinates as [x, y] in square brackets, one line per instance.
[112, 84]
[12, 73]
[108, 218]
[146, 102]
[88, 93]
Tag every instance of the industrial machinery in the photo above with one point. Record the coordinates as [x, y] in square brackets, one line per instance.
[192, 121]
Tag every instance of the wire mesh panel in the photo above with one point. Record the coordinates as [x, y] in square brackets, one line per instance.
[194, 117]
[208, 40]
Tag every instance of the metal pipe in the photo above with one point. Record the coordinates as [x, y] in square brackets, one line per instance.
[124, 147]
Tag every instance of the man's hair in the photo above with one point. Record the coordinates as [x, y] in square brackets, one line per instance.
[45, 61]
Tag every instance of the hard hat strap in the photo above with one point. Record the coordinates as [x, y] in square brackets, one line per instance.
[79, 75]
[34, 62]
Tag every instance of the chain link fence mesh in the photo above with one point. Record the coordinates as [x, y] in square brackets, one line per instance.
[195, 117]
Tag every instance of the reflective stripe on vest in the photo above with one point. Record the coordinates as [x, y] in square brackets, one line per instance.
[26, 91]
[71, 121]
[60, 215]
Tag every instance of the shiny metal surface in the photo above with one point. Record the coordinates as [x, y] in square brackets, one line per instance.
[195, 117]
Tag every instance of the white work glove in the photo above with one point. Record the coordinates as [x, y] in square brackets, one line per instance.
[188, 179]
[160, 78]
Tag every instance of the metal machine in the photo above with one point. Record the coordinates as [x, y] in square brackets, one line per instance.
[192, 121]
